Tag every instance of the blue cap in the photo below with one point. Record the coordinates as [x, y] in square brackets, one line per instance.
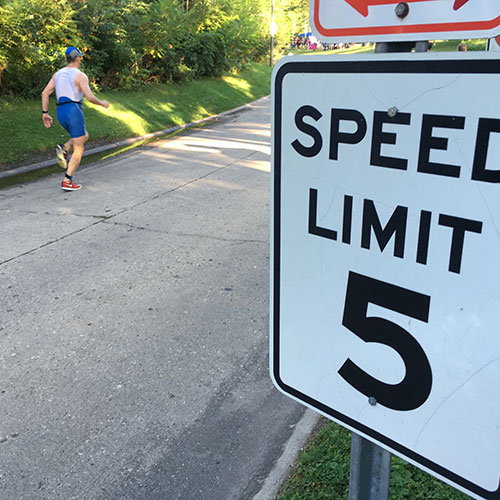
[70, 52]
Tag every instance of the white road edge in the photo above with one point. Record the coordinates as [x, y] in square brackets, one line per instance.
[300, 435]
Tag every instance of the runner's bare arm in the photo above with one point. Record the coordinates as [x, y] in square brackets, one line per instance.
[47, 119]
[82, 81]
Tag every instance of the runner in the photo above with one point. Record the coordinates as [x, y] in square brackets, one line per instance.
[71, 85]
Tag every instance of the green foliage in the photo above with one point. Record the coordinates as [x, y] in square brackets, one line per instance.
[128, 43]
[292, 17]
[33, 35]
[322, 473]
[451, 45]
[205, 53]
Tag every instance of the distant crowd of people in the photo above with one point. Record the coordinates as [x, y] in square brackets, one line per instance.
[310, 42]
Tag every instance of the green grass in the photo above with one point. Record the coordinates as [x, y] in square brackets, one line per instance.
[451, 45]
[40, 173]
[151, 108]
[322, 473]
[132, 113]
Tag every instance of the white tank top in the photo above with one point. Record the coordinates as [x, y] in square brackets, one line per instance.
[65, 84]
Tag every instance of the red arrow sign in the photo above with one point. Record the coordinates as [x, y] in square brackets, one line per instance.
[459, 3]
[362, 5]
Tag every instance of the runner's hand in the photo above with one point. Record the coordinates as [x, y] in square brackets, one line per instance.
[105, 104]
[47, 120]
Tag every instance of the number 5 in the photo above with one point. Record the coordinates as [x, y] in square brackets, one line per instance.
[415, 387]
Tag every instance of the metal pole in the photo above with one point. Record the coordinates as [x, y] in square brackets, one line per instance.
[370, 464]
[271, 57]
[370, 470]
[272, 52]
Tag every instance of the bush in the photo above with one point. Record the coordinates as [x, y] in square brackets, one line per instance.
[126, 42]
[33, 35]
[206, 54]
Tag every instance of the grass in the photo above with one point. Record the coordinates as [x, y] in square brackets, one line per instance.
[151, 108]
[132, 113]
[43, 172]
[438, 46]
[322, 473]
[451, 45]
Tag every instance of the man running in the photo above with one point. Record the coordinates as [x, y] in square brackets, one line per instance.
[71, 85]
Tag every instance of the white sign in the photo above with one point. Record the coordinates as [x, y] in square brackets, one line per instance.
[386, 253]
[390, 20]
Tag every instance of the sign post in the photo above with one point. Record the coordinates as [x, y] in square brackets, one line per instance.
[385, 253]
[370, 470]
[273, 29]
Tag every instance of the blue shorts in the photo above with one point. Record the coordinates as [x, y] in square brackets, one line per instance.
[70, 116]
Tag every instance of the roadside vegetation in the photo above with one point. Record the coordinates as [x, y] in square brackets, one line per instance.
[132, 112]
[128, 44]
[150, 107]
[159, 62]
[322, 473]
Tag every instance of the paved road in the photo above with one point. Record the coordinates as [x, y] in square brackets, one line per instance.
[133, 327]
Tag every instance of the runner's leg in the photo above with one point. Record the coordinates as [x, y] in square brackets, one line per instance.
[66, 116]
[76, 157]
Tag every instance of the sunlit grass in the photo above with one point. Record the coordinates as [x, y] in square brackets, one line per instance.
[451, 45]
[136, 124]
[238, 83]
[132, 113]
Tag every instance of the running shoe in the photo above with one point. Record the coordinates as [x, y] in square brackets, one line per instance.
[69, 186]
[62, 157]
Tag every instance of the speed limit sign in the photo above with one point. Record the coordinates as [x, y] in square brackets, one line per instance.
[385, 284]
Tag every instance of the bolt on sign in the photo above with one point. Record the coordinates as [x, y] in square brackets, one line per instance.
[392, 20]
[385, 284]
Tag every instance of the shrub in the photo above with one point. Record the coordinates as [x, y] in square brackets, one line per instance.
[33, 35]
[206, 54]
[127, 42]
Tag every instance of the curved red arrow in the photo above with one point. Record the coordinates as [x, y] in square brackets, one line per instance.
[459, 3]
[362, 5]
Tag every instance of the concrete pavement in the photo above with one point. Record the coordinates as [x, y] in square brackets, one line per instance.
[134, 324]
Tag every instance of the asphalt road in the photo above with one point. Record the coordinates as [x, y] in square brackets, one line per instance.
[134, 325]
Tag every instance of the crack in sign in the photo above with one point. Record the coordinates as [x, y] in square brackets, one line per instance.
[362, 5]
